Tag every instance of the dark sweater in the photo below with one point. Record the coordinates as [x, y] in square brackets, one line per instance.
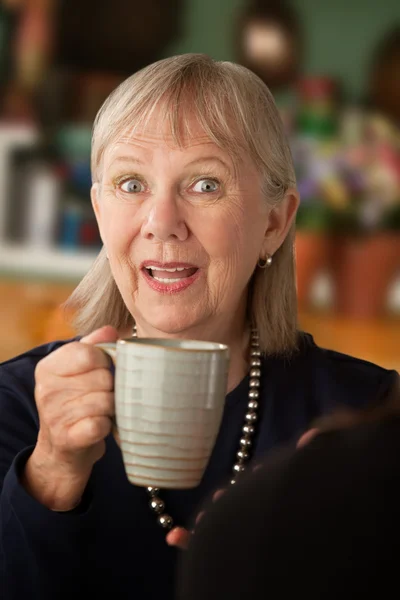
[112, 543]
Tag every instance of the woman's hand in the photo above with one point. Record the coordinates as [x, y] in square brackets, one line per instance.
[75, 400]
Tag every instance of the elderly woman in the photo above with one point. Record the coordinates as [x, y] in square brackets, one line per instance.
[194, 193]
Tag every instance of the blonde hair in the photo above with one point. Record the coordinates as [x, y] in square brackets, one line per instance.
[237, 111]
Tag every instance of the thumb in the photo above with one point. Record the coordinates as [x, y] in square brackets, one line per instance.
[104, 334]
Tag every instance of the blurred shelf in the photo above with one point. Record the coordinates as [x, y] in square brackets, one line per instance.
[49, 264]
[30, 314]
[374, 340]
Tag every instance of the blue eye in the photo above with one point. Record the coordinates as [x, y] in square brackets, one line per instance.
[132, 186]
[206, 186]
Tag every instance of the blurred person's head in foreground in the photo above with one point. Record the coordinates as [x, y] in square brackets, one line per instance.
[322, 521]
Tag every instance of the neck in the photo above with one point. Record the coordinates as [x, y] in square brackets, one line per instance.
[235, 334]
[239, 362]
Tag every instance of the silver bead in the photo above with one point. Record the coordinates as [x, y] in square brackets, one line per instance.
[255, 344]
[153, 491]
[252, 405]
[238, 468]
[256, 353]
[242, 455]
[232, 481]
[254, 383]
[248, 429]
[251, 417]
[157, 505]
[255, 362]
[253, 394]
[255, 372]
[245, 442]
[165, 521]
[254, 334]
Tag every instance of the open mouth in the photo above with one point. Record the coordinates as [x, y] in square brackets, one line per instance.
[170, 275]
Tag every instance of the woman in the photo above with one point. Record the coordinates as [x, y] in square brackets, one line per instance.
[194, 193]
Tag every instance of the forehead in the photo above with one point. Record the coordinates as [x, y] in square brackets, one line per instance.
[181, 130]
[159, 132]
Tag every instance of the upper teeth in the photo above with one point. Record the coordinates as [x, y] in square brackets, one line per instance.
[165, 269]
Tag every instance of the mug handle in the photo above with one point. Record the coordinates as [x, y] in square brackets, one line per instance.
[110, 348]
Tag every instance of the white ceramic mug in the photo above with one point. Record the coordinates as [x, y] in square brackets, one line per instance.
[169, 401]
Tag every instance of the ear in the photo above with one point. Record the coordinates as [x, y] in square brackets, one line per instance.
[94, 196]
[280, 219]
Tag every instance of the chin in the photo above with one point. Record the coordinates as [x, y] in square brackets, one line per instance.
[173, 314]
[169, 321]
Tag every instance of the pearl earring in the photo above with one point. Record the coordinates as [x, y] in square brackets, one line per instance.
[263, 263]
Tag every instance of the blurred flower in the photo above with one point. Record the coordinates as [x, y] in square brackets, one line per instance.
[355, 174]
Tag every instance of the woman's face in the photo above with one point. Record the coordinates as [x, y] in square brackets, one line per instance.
[183, 229]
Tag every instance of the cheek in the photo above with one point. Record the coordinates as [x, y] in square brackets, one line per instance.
[119, 237]
[235, 234]
[118, 227]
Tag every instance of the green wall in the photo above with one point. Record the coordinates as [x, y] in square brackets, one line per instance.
[208, 28]
[340, 35]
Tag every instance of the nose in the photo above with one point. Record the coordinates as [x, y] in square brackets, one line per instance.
[163, 221]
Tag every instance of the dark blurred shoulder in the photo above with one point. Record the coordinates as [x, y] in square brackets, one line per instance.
[352, 381]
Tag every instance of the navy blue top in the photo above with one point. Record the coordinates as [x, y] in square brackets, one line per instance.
[112, 543]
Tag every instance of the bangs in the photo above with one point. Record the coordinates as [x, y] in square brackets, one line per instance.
[182, 113]
[184, 100]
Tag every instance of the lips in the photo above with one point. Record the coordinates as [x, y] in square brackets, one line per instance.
[169, 277]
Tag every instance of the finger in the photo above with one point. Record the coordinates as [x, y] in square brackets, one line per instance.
[95, 404]
[80, 357]
[57, 396]
[104, 334]
[178, 537]
[307, 437]
[218, 495]
[72, 359]
[88, 432]
[215, 497]
[96, 380]
[200, 516]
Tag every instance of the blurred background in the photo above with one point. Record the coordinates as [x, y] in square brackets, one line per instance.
[334, 70]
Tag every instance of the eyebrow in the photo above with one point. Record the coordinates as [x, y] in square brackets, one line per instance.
[208, 159]
[129, 159]
[137, 161]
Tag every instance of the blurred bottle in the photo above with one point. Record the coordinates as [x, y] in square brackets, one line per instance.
[72, 216]
[34, 42]
[42, 201]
